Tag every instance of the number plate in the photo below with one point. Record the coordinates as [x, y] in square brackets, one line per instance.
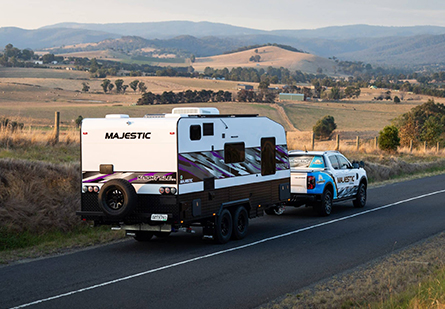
[159, 217]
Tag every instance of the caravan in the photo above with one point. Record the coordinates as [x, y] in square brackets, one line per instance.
[193, 167]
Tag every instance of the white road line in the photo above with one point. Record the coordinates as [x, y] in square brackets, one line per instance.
[227, 250]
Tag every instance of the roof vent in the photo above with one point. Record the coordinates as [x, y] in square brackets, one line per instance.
[117, 116]
[195, 111]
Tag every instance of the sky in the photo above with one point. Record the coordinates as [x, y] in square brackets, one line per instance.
[257, 14]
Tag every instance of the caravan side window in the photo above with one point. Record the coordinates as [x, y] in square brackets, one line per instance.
[234, 152]
[208, 129]
[268, 166]
[195, 132]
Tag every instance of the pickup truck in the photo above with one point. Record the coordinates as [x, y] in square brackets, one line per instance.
[320, 178]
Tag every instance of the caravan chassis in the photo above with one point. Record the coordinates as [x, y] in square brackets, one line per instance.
[183, 210]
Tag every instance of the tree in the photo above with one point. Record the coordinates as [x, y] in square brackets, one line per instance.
[324, 127]
[78, 121]
[264, 84]
[105, 84]
[142, 87]
[396, 99]
[351, 92]
[148, 98]
[119, 83]
[85, 87]
[134, 85]
[423, 123]
[192, 58]
[335, 94]
[47, 58]
[94, 66]
[255, 58]
[389, 139]
[432, 130]
[110, 87]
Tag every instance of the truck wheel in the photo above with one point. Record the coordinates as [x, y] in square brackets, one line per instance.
[324, 207]
[276, 210]
[240, 223]
[223, 227]
[360, 200]
[117, 198]
[143, 235]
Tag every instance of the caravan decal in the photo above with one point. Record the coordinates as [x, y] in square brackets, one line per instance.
[134, 178]
[127, 135]
[196, 166]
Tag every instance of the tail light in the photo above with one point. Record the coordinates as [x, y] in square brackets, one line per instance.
[167, 190]
[310, 182]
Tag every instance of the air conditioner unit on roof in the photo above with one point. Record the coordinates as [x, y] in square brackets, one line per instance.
[195, 111]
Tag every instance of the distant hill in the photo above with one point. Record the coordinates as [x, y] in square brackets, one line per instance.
[269, 56]
[380, 45]
[163, 30]
[359, 31]
[183, 45]
[41, 38]
[170, 29]
[421, 49]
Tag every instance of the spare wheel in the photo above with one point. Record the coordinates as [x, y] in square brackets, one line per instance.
[117, 198]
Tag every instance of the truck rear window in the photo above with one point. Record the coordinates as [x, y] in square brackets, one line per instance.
[306, 161]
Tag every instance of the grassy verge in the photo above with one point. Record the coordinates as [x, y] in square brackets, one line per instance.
[429, 293]
[25, 245]
[411, 278]
[60, 153]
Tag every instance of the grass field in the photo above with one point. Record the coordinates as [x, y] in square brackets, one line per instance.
[349, 116]
[33, 95]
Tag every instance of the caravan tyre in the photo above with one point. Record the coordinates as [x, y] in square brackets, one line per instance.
[143, 235]
[223, 227]
[117, 198]
[240, 223]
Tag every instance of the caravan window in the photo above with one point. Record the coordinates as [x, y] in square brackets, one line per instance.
[268, 166]
[208, 129]
[234, 152]
[195, 132]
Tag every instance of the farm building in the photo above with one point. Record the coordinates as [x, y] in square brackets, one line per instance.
[292, 96]
[244, 87]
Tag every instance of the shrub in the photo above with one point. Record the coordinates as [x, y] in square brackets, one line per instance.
[324, 127]
[389, 139]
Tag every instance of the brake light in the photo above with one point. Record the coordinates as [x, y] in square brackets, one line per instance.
[310, 182]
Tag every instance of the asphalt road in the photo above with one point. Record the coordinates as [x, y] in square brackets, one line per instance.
[279, 255]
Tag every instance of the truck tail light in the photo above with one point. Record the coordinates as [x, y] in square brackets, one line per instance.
[310, 182]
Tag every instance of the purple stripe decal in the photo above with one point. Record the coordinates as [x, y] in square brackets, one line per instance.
[97, 179]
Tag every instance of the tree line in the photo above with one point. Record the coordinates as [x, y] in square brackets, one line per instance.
[188, 96]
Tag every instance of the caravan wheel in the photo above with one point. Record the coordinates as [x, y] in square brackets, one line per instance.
[143, 235]
[240, 223]
[117, 198]
[223, 227]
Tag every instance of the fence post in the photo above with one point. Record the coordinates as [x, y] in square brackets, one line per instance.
[337, 145]
[56, 127]
[438, 147]
[312, 141]
[376, 143]
[358, 143]
[410, 145]
[424, 147]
